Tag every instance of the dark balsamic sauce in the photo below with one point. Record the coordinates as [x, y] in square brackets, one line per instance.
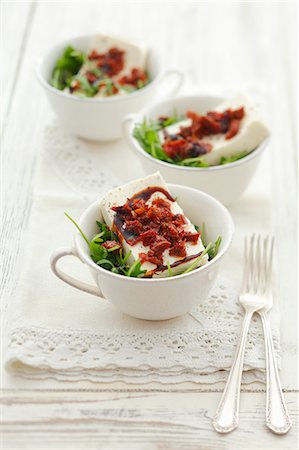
[145, 195]
[162, 267]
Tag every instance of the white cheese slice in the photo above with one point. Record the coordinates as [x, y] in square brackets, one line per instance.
[120, 195]
[135, 55]
[252, 132]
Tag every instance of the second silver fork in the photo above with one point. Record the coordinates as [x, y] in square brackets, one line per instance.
[255, 296]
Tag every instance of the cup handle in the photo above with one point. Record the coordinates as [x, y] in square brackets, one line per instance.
[180, 79]
[67, 251]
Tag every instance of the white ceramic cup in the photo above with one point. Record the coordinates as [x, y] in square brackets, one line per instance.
[100, 119]
[225, 182]
[157, 298]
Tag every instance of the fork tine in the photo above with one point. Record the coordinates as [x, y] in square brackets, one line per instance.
[246, 264]
[251, 261]
[258, 264]
[255, 264]
[258, 255]
[265, 265]
[269, 263]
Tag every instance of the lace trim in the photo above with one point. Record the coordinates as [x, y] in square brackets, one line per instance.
[203, 349]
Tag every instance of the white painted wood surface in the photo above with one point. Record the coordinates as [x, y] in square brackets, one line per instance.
[234, 44]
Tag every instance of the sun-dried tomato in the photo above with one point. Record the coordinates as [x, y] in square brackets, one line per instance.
[233, 129]
[91, 77]
[148, 237]
[153, 224]
[177, 149]
[191, 237]
[189, 141]
[111, 63]
[237, 113]
[134, 79]
[178, 249]
[179, 219]
[75, 85]
[133, 226]
[171, 231]
[93, 55]
[111, 244]
[160, 245]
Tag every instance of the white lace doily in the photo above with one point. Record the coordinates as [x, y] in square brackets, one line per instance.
[198, 347]
[197, 352]
[75, 162]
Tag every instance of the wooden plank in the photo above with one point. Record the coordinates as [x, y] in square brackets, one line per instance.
[16, 20]
[135, 420]
[284, 187]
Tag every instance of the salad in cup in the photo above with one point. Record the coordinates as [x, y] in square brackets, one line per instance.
[144, 250]
[225, 134]
[145, 233]
[111, 67]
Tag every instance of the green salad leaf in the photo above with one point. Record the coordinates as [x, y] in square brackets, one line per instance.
[230, 159]
[213, 247]
[147, 136]
[68, 65]
[109, 258]
[86, 89]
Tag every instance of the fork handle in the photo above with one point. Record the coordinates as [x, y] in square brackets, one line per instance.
[277, 417]
[227, 415]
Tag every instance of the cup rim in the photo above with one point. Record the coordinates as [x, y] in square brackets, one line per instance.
[78, 242]
[42, 80]
[137, 118]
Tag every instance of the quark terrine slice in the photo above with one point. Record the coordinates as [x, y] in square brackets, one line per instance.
[251, 133]
[152, 226]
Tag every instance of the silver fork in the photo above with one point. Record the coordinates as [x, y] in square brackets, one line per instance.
[277, 416]
[255, 296]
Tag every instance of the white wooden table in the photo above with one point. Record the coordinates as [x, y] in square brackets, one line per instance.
[233, 44]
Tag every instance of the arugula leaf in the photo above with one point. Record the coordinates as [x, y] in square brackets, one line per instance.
[77, 226]
[148, 138]
[68, 65]
[203, 234]
[214, 248]
[106, 264]
[169, 269]
[110, 259]
[126, 257]
[193, 162]
[194, 265]
[97, 251]
[86, 88]
[230, 159]
[125, 87]
[135, 269]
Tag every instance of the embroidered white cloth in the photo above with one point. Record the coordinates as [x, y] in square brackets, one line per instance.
[57, 331]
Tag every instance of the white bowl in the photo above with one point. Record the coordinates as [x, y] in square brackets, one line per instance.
[157, 298]
[225, 182]
[99, 118]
